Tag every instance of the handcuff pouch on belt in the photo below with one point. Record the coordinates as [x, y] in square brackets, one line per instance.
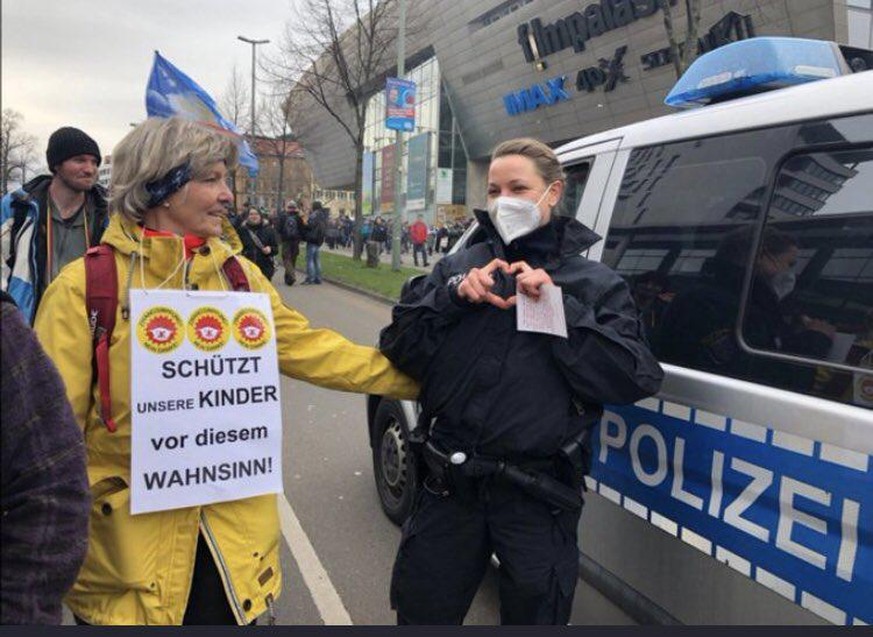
[450, 472]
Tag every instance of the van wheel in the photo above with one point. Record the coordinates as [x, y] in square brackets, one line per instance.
[393, 464]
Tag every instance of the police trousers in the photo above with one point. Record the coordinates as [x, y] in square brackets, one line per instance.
[447, 544]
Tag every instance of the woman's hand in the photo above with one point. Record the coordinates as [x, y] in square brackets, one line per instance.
[477, 284]
[528, 280]
[267, 250]
[818, 325]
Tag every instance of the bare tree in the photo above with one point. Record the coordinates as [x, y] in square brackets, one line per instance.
[278, 139]
[684, 53]
[17, 149]
[234, 106]
[334, 55]
[234, 101]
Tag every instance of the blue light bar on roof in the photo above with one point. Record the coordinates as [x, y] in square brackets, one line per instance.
[753, 66]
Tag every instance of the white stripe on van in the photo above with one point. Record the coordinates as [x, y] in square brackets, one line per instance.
[610, 494]
[748, 430]
[821, 608]
[790, 442]
[697, 541]
[733, 560]
[844, 457]
[636, 508]
[775, 584]
[708, 419]
[682, 412]
[665, 524]
[652, 404]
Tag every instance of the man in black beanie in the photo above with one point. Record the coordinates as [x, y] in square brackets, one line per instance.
[53, 219]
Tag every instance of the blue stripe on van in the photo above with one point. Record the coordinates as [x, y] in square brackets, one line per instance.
[790, 513]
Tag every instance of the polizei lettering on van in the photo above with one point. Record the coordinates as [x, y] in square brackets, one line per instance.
[752, 497]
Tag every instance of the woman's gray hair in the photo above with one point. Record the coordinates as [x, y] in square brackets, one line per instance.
[153, 149]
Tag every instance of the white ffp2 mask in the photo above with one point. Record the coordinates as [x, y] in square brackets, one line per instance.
[514, 217]
[783, 283]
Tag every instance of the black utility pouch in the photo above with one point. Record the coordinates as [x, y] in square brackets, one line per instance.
[576, 453]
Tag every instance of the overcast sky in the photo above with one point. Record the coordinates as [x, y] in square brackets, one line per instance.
[85, 63]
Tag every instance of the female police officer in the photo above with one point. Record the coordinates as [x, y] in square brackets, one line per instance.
[211, 564]
[509, 408]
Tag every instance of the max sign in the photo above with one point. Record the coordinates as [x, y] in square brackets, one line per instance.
[528, 99]
[608, 73]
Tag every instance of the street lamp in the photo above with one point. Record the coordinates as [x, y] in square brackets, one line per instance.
[254, 43]
[398, 187]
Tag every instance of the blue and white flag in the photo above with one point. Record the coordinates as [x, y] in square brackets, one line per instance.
[172, 93]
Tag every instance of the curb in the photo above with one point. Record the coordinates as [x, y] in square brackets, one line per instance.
[351, 288]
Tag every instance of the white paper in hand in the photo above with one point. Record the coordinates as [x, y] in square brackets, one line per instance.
[545, 315]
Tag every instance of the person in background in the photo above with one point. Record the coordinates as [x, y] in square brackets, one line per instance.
[44, 492]
[290, 228]
[698, 328]
[211, 564]
[379, 233]
[259, 242]
[404, 238]
[418, 235]
[52, 219]
[441, 234]
[509, 410]
[314, 233]
[652, 295]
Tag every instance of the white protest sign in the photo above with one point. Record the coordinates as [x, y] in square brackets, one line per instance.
[545, 315]
[205, 407]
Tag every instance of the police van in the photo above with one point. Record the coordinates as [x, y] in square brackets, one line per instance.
[743, 492]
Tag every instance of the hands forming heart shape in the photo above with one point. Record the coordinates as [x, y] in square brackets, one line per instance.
[476, 286]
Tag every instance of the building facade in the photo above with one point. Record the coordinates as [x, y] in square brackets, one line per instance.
[284, 174]
[551, 69]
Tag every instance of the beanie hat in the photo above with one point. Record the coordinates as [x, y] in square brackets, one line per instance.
[69, 142]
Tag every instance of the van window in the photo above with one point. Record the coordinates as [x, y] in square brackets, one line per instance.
[683, 234]
[815, 261]
[577, 177]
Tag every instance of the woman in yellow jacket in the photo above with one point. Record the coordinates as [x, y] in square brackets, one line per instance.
[217, 563]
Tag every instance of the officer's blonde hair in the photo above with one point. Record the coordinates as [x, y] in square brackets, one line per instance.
[153, 149]
[544, 159]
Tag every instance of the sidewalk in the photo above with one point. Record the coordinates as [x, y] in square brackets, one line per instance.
[385, 257]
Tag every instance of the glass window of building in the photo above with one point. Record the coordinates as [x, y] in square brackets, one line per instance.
[438, 164]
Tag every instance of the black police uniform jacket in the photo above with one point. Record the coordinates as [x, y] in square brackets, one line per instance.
[500, 392]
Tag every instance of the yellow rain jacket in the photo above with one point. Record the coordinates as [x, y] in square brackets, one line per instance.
[138, 569]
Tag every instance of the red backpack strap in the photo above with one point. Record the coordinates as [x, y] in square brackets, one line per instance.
[236, 276]
[101, 301]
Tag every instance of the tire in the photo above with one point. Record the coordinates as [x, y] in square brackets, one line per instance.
[394, 466]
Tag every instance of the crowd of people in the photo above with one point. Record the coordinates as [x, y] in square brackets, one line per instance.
[268, 238]
[503, 402]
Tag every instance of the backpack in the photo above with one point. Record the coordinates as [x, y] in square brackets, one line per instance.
[315, 232]
[101, 302]
[290, 230]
